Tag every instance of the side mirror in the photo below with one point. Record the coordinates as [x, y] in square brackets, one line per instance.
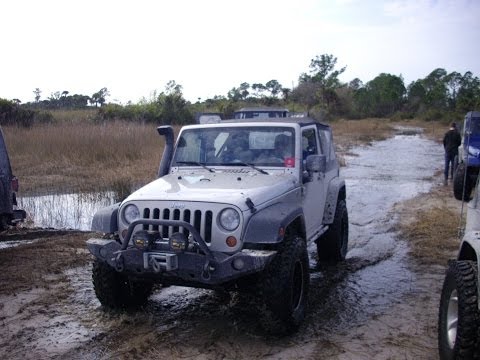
[316, 163]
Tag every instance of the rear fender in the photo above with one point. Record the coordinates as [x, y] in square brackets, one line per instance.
[336, 191]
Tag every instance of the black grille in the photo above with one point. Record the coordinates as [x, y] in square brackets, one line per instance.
[201, 221]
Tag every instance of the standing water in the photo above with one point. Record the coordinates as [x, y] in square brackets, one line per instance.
[376, 273]
[65, 211]
[380, 176]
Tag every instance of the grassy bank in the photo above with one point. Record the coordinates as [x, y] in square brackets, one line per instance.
[430, 223]
[76, 154]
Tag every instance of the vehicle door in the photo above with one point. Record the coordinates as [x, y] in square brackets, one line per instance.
[314, 194]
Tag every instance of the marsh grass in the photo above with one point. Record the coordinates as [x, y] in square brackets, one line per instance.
[356, 132]
[433, 236]
[71, 116]
[82, 156]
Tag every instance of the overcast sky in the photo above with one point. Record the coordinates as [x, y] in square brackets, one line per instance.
[209, 46]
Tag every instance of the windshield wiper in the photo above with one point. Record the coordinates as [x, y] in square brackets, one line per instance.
[249, 165]
[195, 163]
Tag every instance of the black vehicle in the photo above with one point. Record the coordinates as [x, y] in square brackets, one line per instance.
[9, 214]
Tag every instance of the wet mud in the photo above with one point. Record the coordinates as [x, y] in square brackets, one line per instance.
[376, 305]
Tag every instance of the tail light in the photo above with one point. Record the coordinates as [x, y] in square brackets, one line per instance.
[15, 184]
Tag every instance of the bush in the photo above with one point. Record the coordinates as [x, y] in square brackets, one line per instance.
[43, 117]
[438, 115]
[12, 114]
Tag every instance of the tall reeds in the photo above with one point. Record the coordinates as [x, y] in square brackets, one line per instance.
[83, 156]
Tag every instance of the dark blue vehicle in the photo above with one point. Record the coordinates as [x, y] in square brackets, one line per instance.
[9, 214]
[468, 162]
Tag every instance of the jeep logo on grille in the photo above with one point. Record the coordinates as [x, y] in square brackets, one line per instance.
[178, 206]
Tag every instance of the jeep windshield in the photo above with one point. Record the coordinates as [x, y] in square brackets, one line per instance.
[251, 146]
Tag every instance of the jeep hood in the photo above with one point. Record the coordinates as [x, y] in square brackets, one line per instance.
[231, 188]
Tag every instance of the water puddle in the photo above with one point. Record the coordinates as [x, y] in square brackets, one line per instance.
[377, 178]
[65, 211]
[13, 243]
[375, 274]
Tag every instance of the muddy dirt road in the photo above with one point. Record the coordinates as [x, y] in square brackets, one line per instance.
[379, 304]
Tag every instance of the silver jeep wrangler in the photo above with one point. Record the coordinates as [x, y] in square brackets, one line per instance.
[235, 205]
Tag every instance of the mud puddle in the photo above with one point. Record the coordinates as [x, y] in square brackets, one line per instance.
[181, 322]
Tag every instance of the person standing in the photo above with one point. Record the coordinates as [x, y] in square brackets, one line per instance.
[451, 141]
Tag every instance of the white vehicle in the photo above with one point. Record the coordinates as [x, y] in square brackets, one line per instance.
[234, 207]
[459, 315]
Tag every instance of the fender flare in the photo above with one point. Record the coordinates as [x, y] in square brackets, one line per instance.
[336, 191]
[105, 220]
[263, 227]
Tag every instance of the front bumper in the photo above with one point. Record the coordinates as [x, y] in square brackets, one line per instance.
[180, 268]
[199, 266]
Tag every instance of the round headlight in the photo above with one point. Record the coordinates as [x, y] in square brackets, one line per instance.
[131, 213]
[229, 219]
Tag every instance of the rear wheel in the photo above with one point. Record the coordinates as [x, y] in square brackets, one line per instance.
[285, 285]
[462, 184]
[115, 290]
[3, 222]
[459, 317]
[332, 246]
[455, 163]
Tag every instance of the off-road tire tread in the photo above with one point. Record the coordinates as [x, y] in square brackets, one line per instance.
[458, 181]
[462, 276]
[329, 247]
[115, 290]
[277, 317]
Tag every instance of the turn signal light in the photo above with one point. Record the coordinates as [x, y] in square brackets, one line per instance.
[231, 241]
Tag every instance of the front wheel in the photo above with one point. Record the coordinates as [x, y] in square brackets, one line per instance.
[285, 285]
[115, 290]
[459, 317]
[332, 246]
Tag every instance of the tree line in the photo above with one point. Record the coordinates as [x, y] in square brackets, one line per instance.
[319, 91]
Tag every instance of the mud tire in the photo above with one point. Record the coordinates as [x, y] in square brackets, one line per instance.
[455, 163]
[458, 180]
[115, 290]
[459, 300]
[284, 286]
[332, 246]
[3, 222]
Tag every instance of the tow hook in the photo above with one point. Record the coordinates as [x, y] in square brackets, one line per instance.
[119, 262]
[155, 264]
[207, 268]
